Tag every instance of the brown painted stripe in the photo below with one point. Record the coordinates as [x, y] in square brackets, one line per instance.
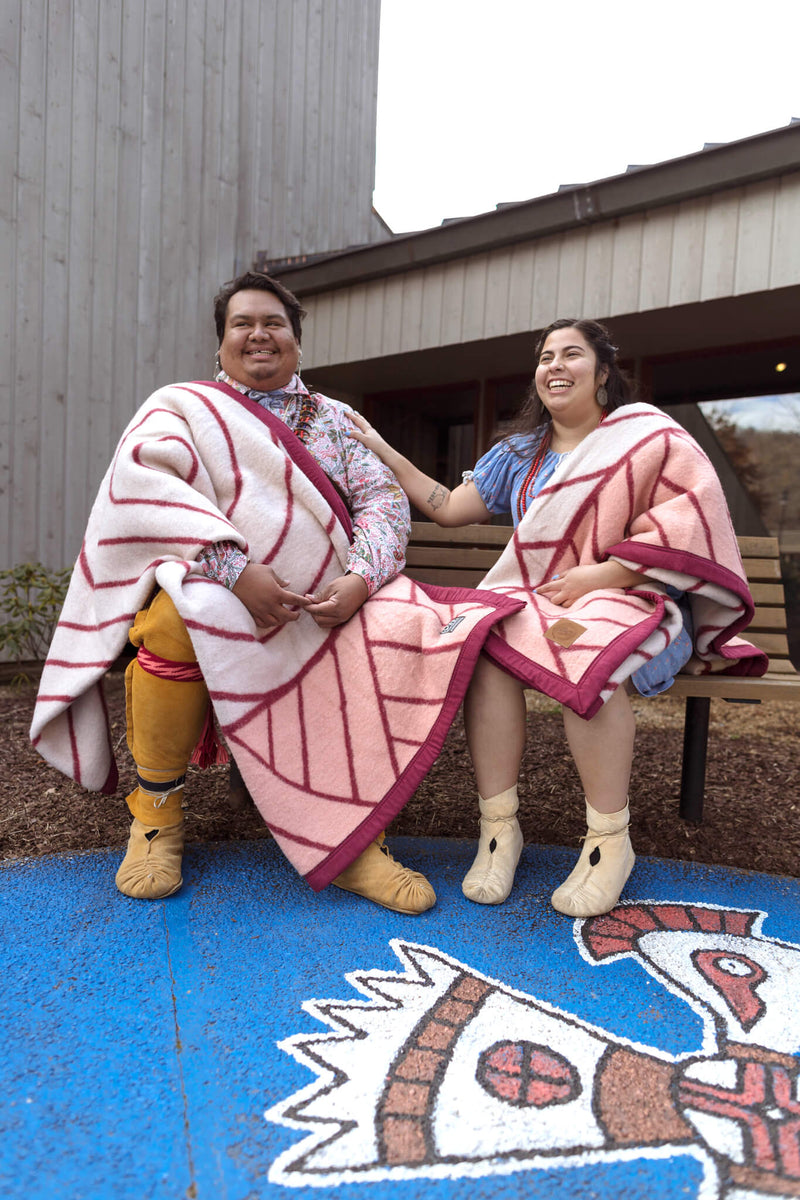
[403, 1118]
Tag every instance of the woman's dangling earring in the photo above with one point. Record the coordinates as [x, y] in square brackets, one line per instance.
[299, 363]
[601, 396]
[217, 365]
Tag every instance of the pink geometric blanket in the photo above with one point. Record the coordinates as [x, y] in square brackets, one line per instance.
[639, 490]
[332, 729]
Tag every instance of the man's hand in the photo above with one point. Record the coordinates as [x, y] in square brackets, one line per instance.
[337, 601]
[565, 589]
[264, 594]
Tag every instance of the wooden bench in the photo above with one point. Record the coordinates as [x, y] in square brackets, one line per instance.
[461, 557]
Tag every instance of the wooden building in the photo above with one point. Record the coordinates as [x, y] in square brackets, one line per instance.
[150, 149]
[157, 148]
[694, 264]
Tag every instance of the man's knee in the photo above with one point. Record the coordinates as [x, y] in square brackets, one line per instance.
[160, 629]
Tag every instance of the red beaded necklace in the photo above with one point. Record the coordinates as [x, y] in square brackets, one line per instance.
[536, 466]
[532, 472]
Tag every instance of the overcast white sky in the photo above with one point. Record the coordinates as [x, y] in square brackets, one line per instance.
[760, 412]
[485, 101]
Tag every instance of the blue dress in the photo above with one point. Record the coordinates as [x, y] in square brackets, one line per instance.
[499, 477]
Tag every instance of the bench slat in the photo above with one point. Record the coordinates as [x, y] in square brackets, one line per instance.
[770, 643]
[445, 556]
[450, 578]
[758, 547]
[762, 568]
[781, 666]
[767, 593]
[478, 535]
[768, 618]
[772, 686]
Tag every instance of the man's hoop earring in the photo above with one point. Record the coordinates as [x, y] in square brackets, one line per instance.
[601, 396]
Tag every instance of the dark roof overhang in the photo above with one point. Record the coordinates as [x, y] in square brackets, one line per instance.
[731, 165]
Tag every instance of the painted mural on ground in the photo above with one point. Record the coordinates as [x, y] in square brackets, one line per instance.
[442, 1072]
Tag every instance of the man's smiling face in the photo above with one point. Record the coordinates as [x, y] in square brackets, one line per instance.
[258, 348]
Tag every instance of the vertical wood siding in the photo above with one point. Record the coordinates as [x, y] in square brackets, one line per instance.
[733, 242]
[151, 148]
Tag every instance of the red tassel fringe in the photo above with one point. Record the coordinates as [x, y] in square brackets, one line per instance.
[209, 751]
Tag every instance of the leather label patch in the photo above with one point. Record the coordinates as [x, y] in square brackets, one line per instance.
[565, 632]
[451, 625]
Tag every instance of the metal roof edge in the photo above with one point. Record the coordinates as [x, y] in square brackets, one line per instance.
[730, 165]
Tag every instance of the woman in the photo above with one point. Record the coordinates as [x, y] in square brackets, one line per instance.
[577, 385]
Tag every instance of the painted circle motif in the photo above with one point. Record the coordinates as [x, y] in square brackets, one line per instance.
[527, 1075]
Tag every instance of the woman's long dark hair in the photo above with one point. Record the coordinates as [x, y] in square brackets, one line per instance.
[533, 415]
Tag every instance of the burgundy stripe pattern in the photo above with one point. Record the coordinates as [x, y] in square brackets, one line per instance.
[332, 729]
[640, 490]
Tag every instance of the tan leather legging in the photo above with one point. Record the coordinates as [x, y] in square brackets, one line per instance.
[164, 717]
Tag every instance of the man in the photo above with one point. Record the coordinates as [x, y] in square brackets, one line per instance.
[258, 326]
[236, 536]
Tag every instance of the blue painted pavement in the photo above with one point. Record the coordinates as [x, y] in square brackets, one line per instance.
[247, 1038]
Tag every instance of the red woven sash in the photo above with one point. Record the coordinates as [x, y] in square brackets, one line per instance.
[164, 668]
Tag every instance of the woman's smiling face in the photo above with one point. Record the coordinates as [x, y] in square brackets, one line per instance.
[567, 375]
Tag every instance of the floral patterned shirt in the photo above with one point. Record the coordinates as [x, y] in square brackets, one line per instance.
[378, 505]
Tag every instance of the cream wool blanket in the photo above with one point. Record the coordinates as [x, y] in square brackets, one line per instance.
[639, 490]
[332, 729]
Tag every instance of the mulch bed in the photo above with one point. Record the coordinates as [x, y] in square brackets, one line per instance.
[751, 808]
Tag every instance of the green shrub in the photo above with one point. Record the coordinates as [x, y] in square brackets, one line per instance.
[31, 598]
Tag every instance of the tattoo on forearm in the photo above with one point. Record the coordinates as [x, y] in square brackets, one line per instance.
[438, 497]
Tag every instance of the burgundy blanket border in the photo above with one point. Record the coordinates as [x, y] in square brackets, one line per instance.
[752, 662]
[403, 788]
[688, 563]
[582, 697]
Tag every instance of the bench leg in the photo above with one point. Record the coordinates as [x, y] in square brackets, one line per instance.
[695, 745]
